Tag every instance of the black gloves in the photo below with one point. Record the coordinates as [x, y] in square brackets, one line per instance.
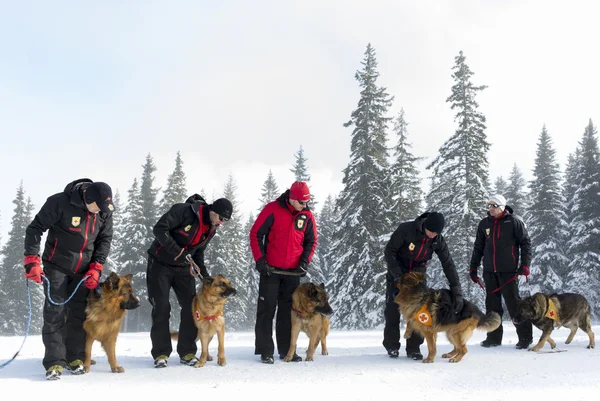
[457, 300]
[262, 267]
[473, 275]
[303, 268]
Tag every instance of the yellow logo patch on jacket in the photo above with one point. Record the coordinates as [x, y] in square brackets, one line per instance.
[187, 228]
[411, 247]
[75, 221]
[423, 316]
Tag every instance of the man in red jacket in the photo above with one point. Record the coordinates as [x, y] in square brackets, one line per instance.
[283, 238]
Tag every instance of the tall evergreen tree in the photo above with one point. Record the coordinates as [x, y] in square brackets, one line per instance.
[300, 171]
[500, 186]
[116, 246]
[15, 304]
[405, 188]
[584, 267]
[251, 275]
[362, 207]
[546, 222]
[269, 191]
[325, 230]
[176, 191]
[148, 194]
[515, 193]
[133, 257]
[460, 175]
[231, 262]
[570, 185]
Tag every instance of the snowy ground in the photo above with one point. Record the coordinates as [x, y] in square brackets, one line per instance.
[356, 369]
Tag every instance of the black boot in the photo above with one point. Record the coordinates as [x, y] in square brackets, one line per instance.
[267, 358]
[393, 353]
[489, 343]
[523, 344]
[414, 355]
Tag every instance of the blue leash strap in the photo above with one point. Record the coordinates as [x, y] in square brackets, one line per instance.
[68, 299]
[26, 329]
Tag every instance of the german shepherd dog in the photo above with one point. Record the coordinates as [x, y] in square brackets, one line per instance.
[549, 311]
[105, 311]
[310, 311]
[428, 312]
[207, 309]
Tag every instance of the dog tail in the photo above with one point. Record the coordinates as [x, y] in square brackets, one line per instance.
[490, 322]
[174, 335]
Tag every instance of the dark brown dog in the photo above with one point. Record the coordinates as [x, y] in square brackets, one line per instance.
[310, 311]
[105, 311]
[430, 312]
[547, 312]
[207, 309]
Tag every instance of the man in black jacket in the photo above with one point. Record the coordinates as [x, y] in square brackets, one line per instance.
[408, 250]
[501, 237]
[80, 230]
[184, 231]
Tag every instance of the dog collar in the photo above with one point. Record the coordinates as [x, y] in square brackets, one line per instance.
[302, 314]
[200, 317]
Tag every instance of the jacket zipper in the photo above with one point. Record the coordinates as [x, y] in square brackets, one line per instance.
[53, 249]
[85, 240]
[494, 244]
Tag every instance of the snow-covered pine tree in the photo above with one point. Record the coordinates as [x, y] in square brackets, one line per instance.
[500, 186]
[326, 229]
[569, 188]
[176, 189]
[546, 219]
[116, 246]
[405, 188]
[133, 258]
[269, 191]
[584, 267]
[515, 193]
[14, 282]
[148, 194]
[357, 283]
[460, 178]
[229, 259]
[252, 276]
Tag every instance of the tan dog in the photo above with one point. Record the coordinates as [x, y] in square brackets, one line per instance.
[430, 312]
[207, 309]
[310, 311]
[105, 311]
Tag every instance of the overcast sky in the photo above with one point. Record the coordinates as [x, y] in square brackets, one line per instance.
[88, 89]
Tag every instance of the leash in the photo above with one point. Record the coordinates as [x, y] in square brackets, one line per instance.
[48, 288]
[194, 268]
[501, 287]
[26, 328]
[282, 272]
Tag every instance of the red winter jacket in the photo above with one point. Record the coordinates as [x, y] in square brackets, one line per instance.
[283, 235]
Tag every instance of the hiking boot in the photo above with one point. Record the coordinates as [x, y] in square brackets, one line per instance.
[489, 344]
[414, 355]
[267, 358]
[54, 372]
[189, 359]
[523, 344]
[76, 367]
[161, 361]
[295, 358]
[393, 353]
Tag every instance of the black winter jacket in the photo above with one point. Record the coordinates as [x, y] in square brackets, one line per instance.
[409, 249]
[501, 242]
[185, 226]
[76, 237]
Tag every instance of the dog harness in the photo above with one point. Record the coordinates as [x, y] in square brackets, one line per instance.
[423, 316]
[200, 317]
[552, 312]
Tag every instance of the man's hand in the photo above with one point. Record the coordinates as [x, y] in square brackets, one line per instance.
[303, 268]
[524, 271]
[33, 270]
[262, 267]
[94, 275]
[473, 275]
[457, 300]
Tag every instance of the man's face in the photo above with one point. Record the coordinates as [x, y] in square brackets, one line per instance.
[93, 207]
[216, 220]
[298, 205]
[430, 234]
[494, 209]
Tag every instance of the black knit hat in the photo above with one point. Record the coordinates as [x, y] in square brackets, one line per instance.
[101, 193]
[222, 207]
[434, 222]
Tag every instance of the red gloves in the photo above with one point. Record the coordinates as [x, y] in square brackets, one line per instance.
[94, 275]
[33, 270]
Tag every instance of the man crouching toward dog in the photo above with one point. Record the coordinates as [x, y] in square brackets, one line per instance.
[408, 250]
[184, 231]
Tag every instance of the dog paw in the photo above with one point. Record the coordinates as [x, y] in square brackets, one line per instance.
[209, 358]
[568, 342]
[590, 346]
[309, 359]
[200, 364]
[428, 360]
[325, 352]
[87, 368]
[446, 355]
[221, 361]
[536, 348]
[118, 369]
[454, 360]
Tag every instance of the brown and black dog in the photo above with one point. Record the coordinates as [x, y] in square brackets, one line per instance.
[105, 311]
[310, 311]
[547, 312]
[430, 312]
[207, 309]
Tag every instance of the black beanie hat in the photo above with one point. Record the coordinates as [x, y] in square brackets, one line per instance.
[101, 193]
[434, 222]
[222, 207]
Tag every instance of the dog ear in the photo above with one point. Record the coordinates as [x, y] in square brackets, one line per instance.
[420, 276]
[322, 285]
[312, 290]
[208, 280]
[410, 279]
[128, 277]
[112, 281]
